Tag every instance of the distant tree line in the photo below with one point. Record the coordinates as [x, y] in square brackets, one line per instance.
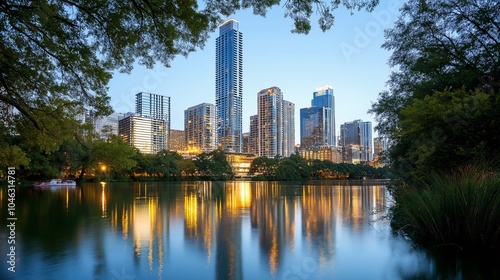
[295, 168]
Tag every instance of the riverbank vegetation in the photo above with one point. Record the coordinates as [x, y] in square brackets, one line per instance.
[442, 113]
[460, 210]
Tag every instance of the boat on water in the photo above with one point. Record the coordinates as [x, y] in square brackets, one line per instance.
[56, 183]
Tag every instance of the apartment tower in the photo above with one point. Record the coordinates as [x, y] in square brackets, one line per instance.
[229, 86]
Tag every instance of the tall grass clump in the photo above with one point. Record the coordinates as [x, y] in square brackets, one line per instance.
[460, 209]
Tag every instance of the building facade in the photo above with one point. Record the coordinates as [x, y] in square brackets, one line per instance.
[146, 134]
[333, 154]
[288, 128]
[199, 128]
[177, 140]
[323, 97]
[229, 86]
[253, 141]
[356, 136]
[366, 139]
[149, 128]
[270, 119]
[314, 125]
[155, 106]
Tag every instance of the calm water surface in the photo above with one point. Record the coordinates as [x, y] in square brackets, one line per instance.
[219, 230]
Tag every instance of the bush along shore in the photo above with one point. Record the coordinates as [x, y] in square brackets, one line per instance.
[459, 210]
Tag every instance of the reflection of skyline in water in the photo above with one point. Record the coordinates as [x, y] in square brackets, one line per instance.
[232, 229]
[212, 217]
[215, 230]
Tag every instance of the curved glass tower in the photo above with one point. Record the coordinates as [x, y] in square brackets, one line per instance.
[229, 86]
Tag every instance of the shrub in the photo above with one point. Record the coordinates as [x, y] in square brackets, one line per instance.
[461, 209]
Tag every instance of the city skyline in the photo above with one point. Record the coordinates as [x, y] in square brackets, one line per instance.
[341, 57]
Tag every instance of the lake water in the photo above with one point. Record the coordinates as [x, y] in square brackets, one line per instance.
[217, 230]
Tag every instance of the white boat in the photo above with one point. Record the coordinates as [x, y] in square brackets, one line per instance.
[55, 183]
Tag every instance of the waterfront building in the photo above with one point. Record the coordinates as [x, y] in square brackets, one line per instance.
[314, 125]
[359, 135]
[149, 128]
[229, 86]
[270, 122]
[177, 140]
[323, 97]
[146, 134]
[200, 128]
[155, 106]
[254, 135]
[333, 154]
[288, 128]
[240, 163]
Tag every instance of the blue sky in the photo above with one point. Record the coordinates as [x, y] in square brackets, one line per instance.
[348, 56]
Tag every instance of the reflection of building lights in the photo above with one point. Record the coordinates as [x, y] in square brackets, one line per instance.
[67, 199]
[125, 215]
[191, 213]
[238, 196]
[141, 225]
[274, 255]
[103, 200]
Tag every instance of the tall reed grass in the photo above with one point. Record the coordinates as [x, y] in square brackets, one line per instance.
[459, 209]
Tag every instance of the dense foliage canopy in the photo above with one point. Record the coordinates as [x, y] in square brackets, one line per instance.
[443, 106]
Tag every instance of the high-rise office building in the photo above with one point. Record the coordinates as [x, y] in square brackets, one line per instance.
[253, 141]
[270, 118]
[199, 128]
[288, 128]
[357, 134]
[314, 125]
[323, 97]
[229, 86]
[149, 128]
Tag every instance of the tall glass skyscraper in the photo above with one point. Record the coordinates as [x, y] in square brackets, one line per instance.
[323, 97]
[229, 86]
[314, 125]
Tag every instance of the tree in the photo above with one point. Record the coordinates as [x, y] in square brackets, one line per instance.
[114, 153]
[214, 165]
[450, 48]
[265, 167]
[166, 164]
